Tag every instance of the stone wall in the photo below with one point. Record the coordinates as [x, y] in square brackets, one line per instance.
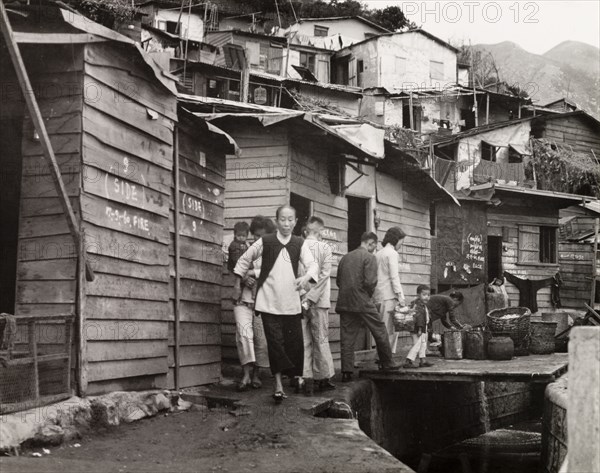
[412, 418]
[554, 426]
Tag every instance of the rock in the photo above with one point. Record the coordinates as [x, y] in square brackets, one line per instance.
[49, 435]
[340, 410]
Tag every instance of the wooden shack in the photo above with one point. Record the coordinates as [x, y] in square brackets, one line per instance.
[576, 253]
[149, 318]
[324, 166]
[499, 229]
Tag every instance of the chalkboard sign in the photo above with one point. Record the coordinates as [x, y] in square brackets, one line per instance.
[461, 244]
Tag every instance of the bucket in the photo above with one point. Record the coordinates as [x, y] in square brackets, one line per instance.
[501, 347]
[453, 344]
[474, 346]
[562, 320]
[542, 338]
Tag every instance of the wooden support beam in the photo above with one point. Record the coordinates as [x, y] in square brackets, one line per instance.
[177, 254]
[410, 111]
[487, 109]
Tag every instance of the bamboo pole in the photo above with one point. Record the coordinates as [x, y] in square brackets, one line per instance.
[177, 254]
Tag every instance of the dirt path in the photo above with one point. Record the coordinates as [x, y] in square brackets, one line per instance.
[265, 438]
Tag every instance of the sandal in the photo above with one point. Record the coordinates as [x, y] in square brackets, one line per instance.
[242, 387]
[256, 384]
[279, 396]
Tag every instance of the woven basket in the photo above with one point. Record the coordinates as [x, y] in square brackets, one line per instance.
[542, 338]
[518, 329]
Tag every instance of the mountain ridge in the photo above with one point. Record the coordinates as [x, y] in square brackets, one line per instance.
[570, 69]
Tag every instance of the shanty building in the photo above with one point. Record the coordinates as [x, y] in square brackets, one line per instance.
[139, 300]
[339, 169]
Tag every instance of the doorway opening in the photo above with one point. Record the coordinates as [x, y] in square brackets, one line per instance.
[358, 223]
[11, 162]
[303, 208]
[357, 220]
[494, 257]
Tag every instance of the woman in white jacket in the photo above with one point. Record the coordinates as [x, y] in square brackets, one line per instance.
[388, 292]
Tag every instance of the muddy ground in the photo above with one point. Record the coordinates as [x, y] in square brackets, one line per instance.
[260, 437]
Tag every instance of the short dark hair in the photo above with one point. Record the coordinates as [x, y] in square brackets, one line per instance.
[457, 295]
[422, 287]
[368, 236]
[283, 207]
[241, 227]
[315, 219]
[262, 223]
[393, 236]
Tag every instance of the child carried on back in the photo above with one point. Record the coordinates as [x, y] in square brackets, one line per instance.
[238, 247]
[419, 335]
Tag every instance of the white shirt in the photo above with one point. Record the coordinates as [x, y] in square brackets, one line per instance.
[388, 277]
[320, 293]
[278, 295]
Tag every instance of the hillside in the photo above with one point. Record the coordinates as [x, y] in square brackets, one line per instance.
[571, 69]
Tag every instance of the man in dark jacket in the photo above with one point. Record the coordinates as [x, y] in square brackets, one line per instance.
[356, 279]
[441, 306]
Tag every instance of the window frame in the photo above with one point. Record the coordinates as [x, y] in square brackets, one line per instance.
[308, 57]
[321, 29]
[546, 253]
[438, 69]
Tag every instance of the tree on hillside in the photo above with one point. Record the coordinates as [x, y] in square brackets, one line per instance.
[484, 70]
[391, 18]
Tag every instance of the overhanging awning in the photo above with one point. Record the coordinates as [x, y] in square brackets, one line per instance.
[362, 136]
[521, 149]
[265, 119]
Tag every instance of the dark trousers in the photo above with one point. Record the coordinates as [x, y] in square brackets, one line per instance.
[351, 323]
[285, 343]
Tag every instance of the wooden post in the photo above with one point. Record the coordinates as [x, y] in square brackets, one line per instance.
[177, 253]
[245, 84]
[33, 352]
[595, 263]
[38, 122]
[81, 360]
[410, 110]
[68, 349]
[487, 109]
[519, 109]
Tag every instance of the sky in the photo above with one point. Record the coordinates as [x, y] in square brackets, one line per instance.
[537, 26]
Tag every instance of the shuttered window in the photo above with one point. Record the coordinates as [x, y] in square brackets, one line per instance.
[529, 244]
[537, 244]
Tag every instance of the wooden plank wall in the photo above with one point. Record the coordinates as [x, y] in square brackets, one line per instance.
[576, 268]
[309, 180]
[201, 200]
[509, 217]
[574, 131]
[127, 148]
[257, 182]
[47, 257]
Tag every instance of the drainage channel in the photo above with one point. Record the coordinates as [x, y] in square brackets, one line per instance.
[457, 427]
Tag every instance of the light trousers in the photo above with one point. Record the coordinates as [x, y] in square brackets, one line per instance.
[250, 337]
[318, 362]
[419, 346]
[385, 310]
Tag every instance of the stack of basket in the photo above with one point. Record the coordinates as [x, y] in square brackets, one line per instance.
[517, 327]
